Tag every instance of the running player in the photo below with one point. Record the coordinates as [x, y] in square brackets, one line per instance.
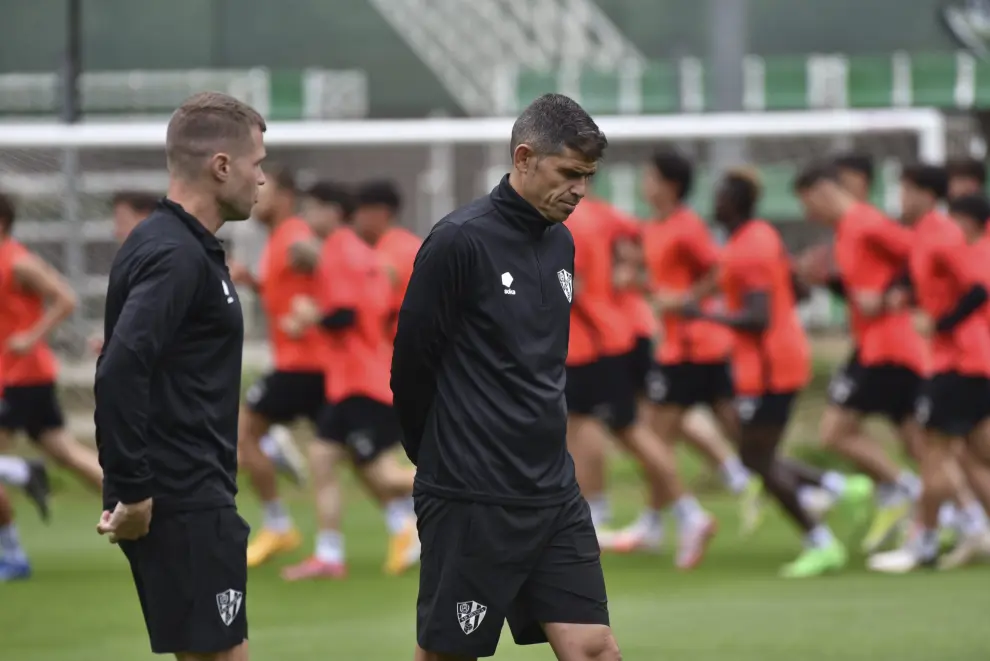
[955, 400]
[34, 300]
[354, 306]
[971, 212]
[295, 388]
[601, 393]
[888, 364]
[691, 361]
[771, 361]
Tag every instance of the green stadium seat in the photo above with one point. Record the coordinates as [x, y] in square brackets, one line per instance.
[661, 88]
[533, 84]
[785, 82]
[286, 95]
[981, 96]
[599, 92]
[871, 81]
[933, 79]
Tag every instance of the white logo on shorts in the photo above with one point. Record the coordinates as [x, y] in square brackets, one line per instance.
[470, 615]
[746, 407]
[841, 388]
[229, 605]
[656, 386]
[923, 410]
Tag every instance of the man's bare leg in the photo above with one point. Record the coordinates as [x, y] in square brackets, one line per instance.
[13, 560]
[278, 533]
[391, 484]
[700, 431]
[328, 559]
[63, 448]
[587, 442]
[582, 642]
[841, 431]
[239, 653]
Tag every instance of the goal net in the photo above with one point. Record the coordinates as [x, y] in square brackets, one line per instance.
[63, 177]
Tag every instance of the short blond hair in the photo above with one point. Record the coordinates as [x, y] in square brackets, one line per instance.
[207, 123]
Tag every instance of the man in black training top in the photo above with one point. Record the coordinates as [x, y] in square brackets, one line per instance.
[478, 384]
[168, 389]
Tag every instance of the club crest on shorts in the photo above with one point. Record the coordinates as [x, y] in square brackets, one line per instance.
[229, 604]
[470, 615]
[566, 283]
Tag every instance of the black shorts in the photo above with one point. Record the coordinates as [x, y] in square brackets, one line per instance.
[772, 409]
[888, 390]
[31, 409]
[284, 397]
[604, 390]
[190, 571]
[366, 426]
[484, 564]
[640, 363]
[954, 404]
[689, 384]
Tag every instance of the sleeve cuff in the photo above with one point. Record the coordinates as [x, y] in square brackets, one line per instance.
[134, 491]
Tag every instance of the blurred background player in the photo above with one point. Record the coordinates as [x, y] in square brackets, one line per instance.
[954, 402]
[353, 307]
[889, 359]
[691, 361]
[856, 173]
[771, 363]
[376, 216]
[32, 477]
[967, 176]
[34, 301]
[600, 393]
[294, 389]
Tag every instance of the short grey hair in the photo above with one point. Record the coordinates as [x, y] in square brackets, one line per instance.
[555, 122]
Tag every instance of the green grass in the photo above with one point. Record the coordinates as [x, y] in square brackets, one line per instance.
[81, 603]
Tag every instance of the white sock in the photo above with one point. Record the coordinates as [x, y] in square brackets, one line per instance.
[269, 447]
[910, 484]
[820, 537]
[734, 475]
[974, 519]
[926, 544]
[14, 471]
[651, 519]
[948, 515]
[889, 494]
[330, 547]
[10, 544]
[834, 483]
[687, 509]
[814, 499]
[600, 510]
[276, 517]
[396, 515]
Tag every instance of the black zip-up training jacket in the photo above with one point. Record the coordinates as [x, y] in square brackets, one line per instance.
[169, 376]
[478, 368]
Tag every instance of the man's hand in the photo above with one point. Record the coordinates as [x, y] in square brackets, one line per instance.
[20, 343]
[896, 299]
[95, 343]
[814, 265]
[126, 522]
[670, 301]
[240, 274]
[924, 325]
